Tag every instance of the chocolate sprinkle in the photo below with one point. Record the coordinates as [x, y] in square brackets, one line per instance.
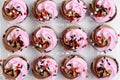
[54, 75]
[100, 68]
[3, 35]
[24, 75]
[28, 66]
[42, 73]
[57, 17]
[102, 61]
[110, 49]
[69, 65]
[108, 63]
[17, 30]
[104, 51]
[78, 1]
[42, 62]
[12, 51]
[18, 6]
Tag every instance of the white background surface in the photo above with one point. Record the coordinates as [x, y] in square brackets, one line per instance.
[89, 53]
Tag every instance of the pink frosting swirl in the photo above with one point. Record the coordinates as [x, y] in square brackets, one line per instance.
[22, 35]
[50, 7]
[80, 64]
[108, 64]
[19, 5]
[53, 67]
[109, 34]
[79, 7]
[78, 37]
[109, 5]
[14, 62]
[49, 36]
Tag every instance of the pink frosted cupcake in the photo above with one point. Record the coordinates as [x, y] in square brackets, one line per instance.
[45, 68]
[102, 10]
[45, 10]
[73, 10]
[15, 39]
[44, 39]
[73, 39]
[15, 68]
[14, 11]
[104, 68]
[74, 68]
[104, 38]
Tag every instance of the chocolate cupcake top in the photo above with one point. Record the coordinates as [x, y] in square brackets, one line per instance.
[45, 10]
[45, 68]
[74, 38]
[44, 39]
[104, 67]
[15, 39]
[102, 10]
[14, 11]
[73, 10]
[104, 38]
[15, 68]
[74, 67]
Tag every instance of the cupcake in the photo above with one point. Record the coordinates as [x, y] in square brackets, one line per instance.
[15, 39]
[74, 68]
[103, 38]
[44, 39]
[45, 10]
[104, 68]
[15, 68]
[73, 10]
[44, 68]
[73, 38]
[102, 10]
[14, 11]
